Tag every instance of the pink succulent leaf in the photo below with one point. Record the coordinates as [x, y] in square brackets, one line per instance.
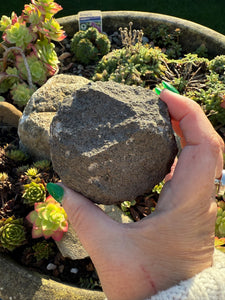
[39, 208]
[36, 232]
[57, 235]
[64, 226]
[5, 22]
[32, 216]
[47, 234]
[32, 15]
[51, 70]
[14, 18]
[38, 222]
[49, 9]
[50, 199]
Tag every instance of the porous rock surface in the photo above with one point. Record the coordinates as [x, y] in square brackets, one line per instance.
[34, 125]
[112, 142]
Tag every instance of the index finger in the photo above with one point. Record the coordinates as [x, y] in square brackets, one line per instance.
[201, 159]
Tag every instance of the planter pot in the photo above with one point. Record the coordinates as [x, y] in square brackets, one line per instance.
[193, 35]
[19, 283]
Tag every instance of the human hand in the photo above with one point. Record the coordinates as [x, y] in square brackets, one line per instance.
[135, 261]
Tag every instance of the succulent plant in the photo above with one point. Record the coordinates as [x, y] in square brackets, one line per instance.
[47, 8]
[33, 193]
[220, 244]
[43, 250]
[134, 65]
[165, 38]
[37, 68]
[22, 169]
[3, 177]
[86, 52]
[49, 219]
[42, 164]
[16, 155]
[8, 79]
[5, 22]
[21, 94]
[12, 233]
[28, 48]
[130, 37]
[32, 173]
[217, 65]
[220, 220]
[127, 204]
[52, 30]
[46, 53]
[211, 98]
[19, 34]
[158, 188]
[89, 45]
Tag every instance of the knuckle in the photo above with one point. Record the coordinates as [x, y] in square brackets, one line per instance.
[216, 144]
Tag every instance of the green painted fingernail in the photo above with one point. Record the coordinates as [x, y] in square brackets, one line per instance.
[158, 91]
[169, 87]
[56, 191]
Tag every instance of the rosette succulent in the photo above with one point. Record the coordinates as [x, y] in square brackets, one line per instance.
[52, 30]
[37, 69]
[19, 35]
[34, 192]
[8, 79]
[21, 93]
[16, 155]
[43, 249]
[5, 22]
[12, 233]
[29, 48]
[46, 53]
[49, 219]
[42, 164]
[89, 45]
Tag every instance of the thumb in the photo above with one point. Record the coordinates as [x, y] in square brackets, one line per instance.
[87, 219]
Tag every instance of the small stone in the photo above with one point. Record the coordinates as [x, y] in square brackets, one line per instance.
[34, 125]
[9, 114]
[70, 245]
[145, 40]
[61, 268]
[51, 267]
[74, 270]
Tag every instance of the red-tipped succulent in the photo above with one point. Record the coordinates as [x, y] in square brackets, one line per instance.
[28, 35]
[49, 219]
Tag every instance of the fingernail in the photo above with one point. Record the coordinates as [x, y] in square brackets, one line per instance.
[56, 191]
[158, 91]
[169, 87]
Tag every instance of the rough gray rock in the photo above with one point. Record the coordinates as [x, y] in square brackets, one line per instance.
[34, 126]
[112, 142]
